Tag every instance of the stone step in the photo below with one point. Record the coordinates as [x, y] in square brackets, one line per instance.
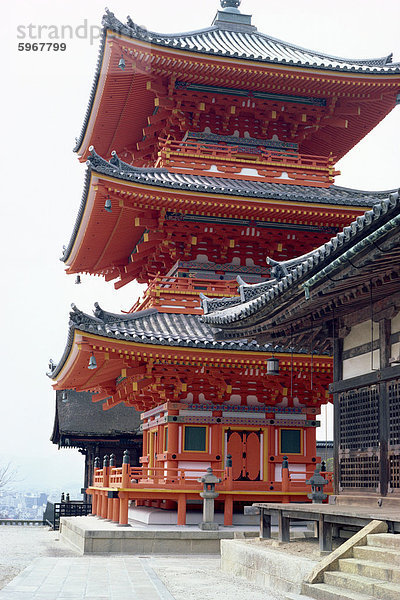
[348, 581]
[375, 588]
[387, 591]
[384, 540]
[323, 591]
[378, 555]
[369, 568]
[296, 597]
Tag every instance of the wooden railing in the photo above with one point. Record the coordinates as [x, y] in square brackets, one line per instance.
[181, 294]
[23, 522]
[237, 162]
[114, 487]
[112, 477]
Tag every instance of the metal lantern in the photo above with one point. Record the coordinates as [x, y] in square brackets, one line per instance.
[273, 366]
[107, 204]
[92, 362]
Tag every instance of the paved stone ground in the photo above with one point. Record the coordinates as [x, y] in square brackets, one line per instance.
[61, 574]
[20, 545]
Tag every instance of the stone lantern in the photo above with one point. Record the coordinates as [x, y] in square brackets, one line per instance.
[317, 483]
[208, 494]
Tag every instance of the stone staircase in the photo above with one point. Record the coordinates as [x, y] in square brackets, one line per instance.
[373, 573]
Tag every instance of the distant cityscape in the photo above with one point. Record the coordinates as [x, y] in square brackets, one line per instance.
[30, 505]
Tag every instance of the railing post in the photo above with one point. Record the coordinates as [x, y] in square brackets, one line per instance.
[96, 502]
[126, 467]
[123, 496]
[285, 478]
[104, 499]
[172, 445]
[229, 472]
[110, 501]
[228, 498]
[106, 470]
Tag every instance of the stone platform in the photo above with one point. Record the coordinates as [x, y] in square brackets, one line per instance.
[91, 535]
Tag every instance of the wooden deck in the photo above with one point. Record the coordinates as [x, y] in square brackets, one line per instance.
[327, 516]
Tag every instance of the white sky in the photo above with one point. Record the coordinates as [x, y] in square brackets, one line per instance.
[43, 101]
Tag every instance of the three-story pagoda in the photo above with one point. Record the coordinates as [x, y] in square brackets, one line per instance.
[206, 152]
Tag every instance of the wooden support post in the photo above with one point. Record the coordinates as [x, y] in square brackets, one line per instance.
[228, 509]
[115, 510]
[98, 504]
[337, 376]
[104, 505]
[325, 535]
[94, 503]
[109, 509]
[123, 508]
[283, 528]
[181, 509]
[385, 353]
[265, 524]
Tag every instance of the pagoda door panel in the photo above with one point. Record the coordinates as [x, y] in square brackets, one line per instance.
[244, 447]
[235, 449]
[253, 456]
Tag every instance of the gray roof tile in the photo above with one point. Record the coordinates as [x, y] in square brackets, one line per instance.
[247, 43]
[242, 42]
[149, 327]
[77, 415]
[307, 269]
[333, 195]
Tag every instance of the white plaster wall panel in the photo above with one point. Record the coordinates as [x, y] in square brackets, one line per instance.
[396, 323]
[297, 472]
[244, 415]
[359, 365]
[192, 468]
[395, 353]
[360, 334]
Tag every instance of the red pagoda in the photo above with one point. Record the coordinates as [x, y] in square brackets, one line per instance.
[206, 152]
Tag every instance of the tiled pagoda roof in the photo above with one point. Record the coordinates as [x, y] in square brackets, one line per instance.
[228, 39]
[149, 327]
[297, 276]
[76, 415]
[334, 195]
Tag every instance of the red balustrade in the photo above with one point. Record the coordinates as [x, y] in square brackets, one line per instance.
[238, 162]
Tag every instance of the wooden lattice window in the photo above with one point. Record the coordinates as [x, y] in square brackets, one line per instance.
[359, 419]
[394, 412]
[359, 472]
[394, 465]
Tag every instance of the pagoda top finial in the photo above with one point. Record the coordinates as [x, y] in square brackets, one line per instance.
[230, 3]
[229, 17]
